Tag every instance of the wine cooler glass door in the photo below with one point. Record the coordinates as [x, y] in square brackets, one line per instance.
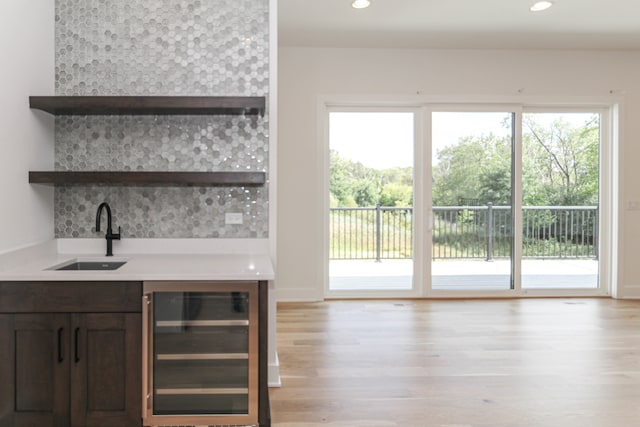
[203, 348]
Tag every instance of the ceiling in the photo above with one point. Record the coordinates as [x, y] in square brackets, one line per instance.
[461, 24]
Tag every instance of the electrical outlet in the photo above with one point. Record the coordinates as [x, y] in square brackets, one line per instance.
[233, 218]
[633, 205]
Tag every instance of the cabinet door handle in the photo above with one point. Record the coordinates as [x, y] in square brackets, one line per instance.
[76, 351]
[60, 350]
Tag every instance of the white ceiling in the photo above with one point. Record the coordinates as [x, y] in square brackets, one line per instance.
[467, 24]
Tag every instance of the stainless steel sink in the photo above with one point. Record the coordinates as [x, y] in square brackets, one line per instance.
[92, 265]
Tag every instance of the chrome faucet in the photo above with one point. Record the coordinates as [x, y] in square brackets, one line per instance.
[110, 236]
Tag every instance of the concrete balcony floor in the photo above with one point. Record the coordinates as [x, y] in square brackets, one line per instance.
[463, 274]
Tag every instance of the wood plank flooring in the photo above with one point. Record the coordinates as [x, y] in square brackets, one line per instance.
[459, 363]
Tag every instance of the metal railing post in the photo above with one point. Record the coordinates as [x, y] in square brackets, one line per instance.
[489, 231]
[378, 232]
[596, 233]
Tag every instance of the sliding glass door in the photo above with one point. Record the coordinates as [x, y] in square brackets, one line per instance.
[560, 199]
[472, 200]
[468, 200]
[371, 193]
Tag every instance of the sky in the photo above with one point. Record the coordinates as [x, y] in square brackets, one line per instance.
[377, 140]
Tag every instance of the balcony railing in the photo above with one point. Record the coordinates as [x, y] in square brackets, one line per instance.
[465, 232]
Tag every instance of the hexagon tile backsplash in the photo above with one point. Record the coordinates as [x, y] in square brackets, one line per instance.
[162, 47]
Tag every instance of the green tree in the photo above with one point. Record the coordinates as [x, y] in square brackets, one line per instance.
[396, 194]
[559, 166]
[564, 159]
[353, 184]
[397, 175]
[495, 187]
[340, 179]
[366, 192]
[477, 168]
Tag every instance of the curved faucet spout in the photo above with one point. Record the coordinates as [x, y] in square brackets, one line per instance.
[110, 236]
[99, 214]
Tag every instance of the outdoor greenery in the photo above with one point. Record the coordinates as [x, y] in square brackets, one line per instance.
[353, 184]
[353, 234]
[559, 168]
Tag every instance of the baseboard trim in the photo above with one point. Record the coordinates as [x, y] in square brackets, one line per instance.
[629, 292]
[298, 295]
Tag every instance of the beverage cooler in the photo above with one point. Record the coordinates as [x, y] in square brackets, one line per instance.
[200, 353]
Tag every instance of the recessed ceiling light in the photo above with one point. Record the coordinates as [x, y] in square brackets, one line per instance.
[540, 6]
[360, 4]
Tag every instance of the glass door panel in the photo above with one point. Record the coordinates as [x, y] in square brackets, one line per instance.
[202, 354]
[371, 189]
[560, 200]
[472, 193]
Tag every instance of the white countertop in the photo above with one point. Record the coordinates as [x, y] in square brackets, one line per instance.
[35, 263]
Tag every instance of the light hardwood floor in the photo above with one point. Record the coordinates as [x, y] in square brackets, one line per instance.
[459, 363]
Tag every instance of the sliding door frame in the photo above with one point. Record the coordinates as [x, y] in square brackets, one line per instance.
[516, 202]
[607, 224]
[609, 109]
[418, 195]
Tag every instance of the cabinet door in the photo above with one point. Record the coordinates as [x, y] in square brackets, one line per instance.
[106, 369]
[34, 370]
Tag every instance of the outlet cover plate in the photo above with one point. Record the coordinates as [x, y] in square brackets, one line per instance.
[233, 218]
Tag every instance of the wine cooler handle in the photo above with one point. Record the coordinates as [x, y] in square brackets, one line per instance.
[147, 310]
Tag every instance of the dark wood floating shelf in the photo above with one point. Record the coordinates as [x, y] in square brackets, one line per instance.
[231, 179]
[149, 105]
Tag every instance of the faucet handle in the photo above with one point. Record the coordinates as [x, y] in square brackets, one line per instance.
[114, 236]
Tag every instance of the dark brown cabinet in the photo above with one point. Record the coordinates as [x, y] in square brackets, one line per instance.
[34, 370]
[73, 367]
[105, 373]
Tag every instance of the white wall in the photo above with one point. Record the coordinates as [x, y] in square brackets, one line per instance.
[26, 137]
[274, 364]
[304, 74]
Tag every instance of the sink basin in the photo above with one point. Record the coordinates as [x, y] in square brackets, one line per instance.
[92, 265]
